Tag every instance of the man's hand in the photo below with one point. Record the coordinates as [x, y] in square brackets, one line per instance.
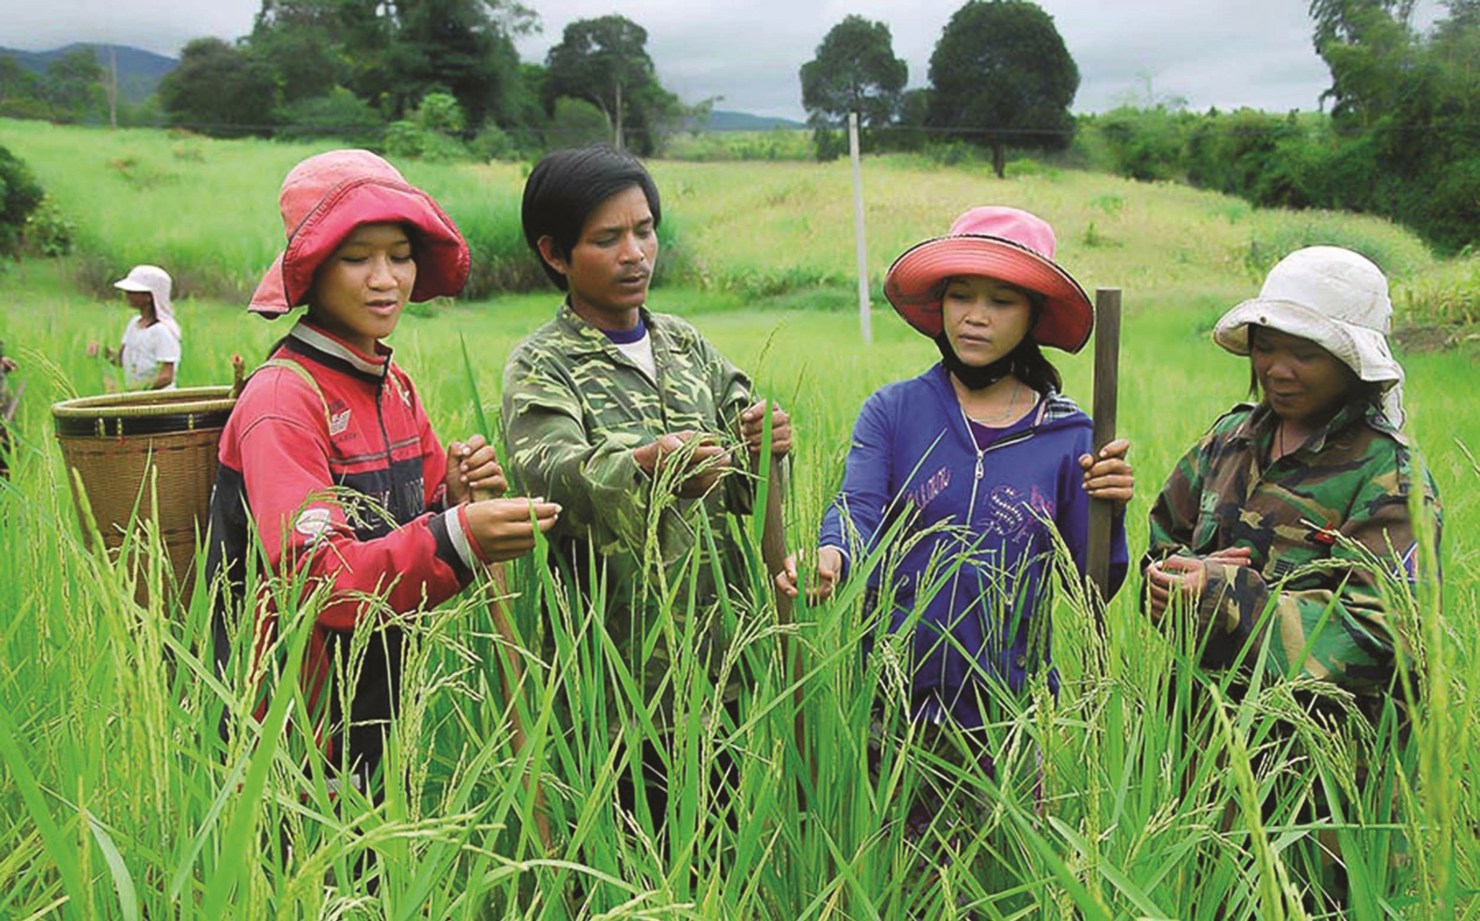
[1186, 576]
[473, 471]
[1109, 478]
[753, 425]
[502, 527]
[701, 460]
[825, 577]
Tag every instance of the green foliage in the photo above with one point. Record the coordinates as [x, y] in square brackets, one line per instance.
[20, 194]
[74, 86]
[410, 140]
[494, 143]
[829, 143]
[339, 114]
[1399, 255]
[393, 55]
[1000, 75]
[854, 70]
[49, 232]
[711, 146]
[71, 90]
[1136, 813]
[440, 112]
[1144, 144]
[219, 90]
[576, 122]
[605, 62]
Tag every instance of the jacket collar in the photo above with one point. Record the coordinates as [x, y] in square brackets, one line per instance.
[585, 339]
[1052, 409]
[328, 349]
[1259, 428]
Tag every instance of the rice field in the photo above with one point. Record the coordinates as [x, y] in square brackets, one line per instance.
[117, 800]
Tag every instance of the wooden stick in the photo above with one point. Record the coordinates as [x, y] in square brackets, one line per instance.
[773, 553]
[495, 586]
[1107, 373]
[497, 594]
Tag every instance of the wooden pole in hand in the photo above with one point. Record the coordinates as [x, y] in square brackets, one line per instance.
[495, 587]
[496, 593]
[773, 554]
[1107, 373]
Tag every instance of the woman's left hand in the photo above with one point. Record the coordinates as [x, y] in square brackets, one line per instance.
[1109, 478]
[752, 428]
[473, 471]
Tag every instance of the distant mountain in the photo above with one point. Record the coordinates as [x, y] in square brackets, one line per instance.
[743, 121]
[139, 71]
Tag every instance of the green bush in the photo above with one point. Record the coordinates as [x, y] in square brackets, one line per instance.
[440, 113]
[576, 122]
[339, 114]
[20, 194]
[48, 231]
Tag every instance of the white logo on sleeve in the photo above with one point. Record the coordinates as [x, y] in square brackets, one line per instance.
[314, 524]
[338, 423]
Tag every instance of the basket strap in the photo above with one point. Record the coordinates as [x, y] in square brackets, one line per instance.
[290, 365]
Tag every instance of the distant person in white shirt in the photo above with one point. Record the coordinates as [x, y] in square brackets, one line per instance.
[150, 351]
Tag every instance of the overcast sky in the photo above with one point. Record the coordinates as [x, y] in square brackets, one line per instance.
[1224, 53]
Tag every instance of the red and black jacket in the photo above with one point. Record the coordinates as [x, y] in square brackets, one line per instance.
[329, 459]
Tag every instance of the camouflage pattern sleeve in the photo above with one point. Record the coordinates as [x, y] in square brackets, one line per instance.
[602, 490]
[1175, 513]
[1328, 620]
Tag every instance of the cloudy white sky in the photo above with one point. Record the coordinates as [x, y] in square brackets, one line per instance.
[1224, 53]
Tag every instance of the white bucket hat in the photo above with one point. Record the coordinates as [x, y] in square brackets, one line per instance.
[155, 281]
[1334, 297]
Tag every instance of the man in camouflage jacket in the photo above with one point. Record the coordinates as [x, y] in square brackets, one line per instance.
[575, 410]
[1343, 498]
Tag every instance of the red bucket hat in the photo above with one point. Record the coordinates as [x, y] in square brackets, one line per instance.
[324, 198]
[1004, 243]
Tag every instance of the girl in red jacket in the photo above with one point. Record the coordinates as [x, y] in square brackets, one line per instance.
[329, 458]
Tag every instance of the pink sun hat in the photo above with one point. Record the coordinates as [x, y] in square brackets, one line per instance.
[1004, 243]
[325, 197]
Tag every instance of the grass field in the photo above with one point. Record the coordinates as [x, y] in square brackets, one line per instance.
[114, 802]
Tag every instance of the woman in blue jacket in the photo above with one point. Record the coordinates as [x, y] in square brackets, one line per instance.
[983, 458]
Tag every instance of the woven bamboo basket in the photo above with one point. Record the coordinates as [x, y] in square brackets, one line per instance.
[119, 443]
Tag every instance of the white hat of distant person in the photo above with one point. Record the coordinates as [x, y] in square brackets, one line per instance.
[1334, 297]
[156, 282]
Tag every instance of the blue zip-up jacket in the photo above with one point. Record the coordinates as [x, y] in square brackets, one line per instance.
[985, 509]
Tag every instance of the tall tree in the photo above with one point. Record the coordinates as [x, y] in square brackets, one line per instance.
[74, 85]
[1371, 50]
[605, 62]
[855, 70]
[393, 53]
[1001, 75]
[305, 43]
[458, 46]
[1404, 104]
[219, 89]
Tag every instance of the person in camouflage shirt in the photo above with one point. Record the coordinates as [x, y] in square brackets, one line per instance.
[1277, 495]
[629, 419]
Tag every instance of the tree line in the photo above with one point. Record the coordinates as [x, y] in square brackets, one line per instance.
[1400, 137]
[442, 78]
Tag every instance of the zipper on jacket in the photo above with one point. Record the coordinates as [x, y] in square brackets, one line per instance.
[981, 454]
[385, 439]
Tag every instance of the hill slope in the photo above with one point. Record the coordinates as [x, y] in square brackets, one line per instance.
[139, 71]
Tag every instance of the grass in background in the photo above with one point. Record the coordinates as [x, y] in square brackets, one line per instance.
[757, 229]
[116, 800]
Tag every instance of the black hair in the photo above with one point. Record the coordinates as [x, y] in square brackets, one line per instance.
[567, 185]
